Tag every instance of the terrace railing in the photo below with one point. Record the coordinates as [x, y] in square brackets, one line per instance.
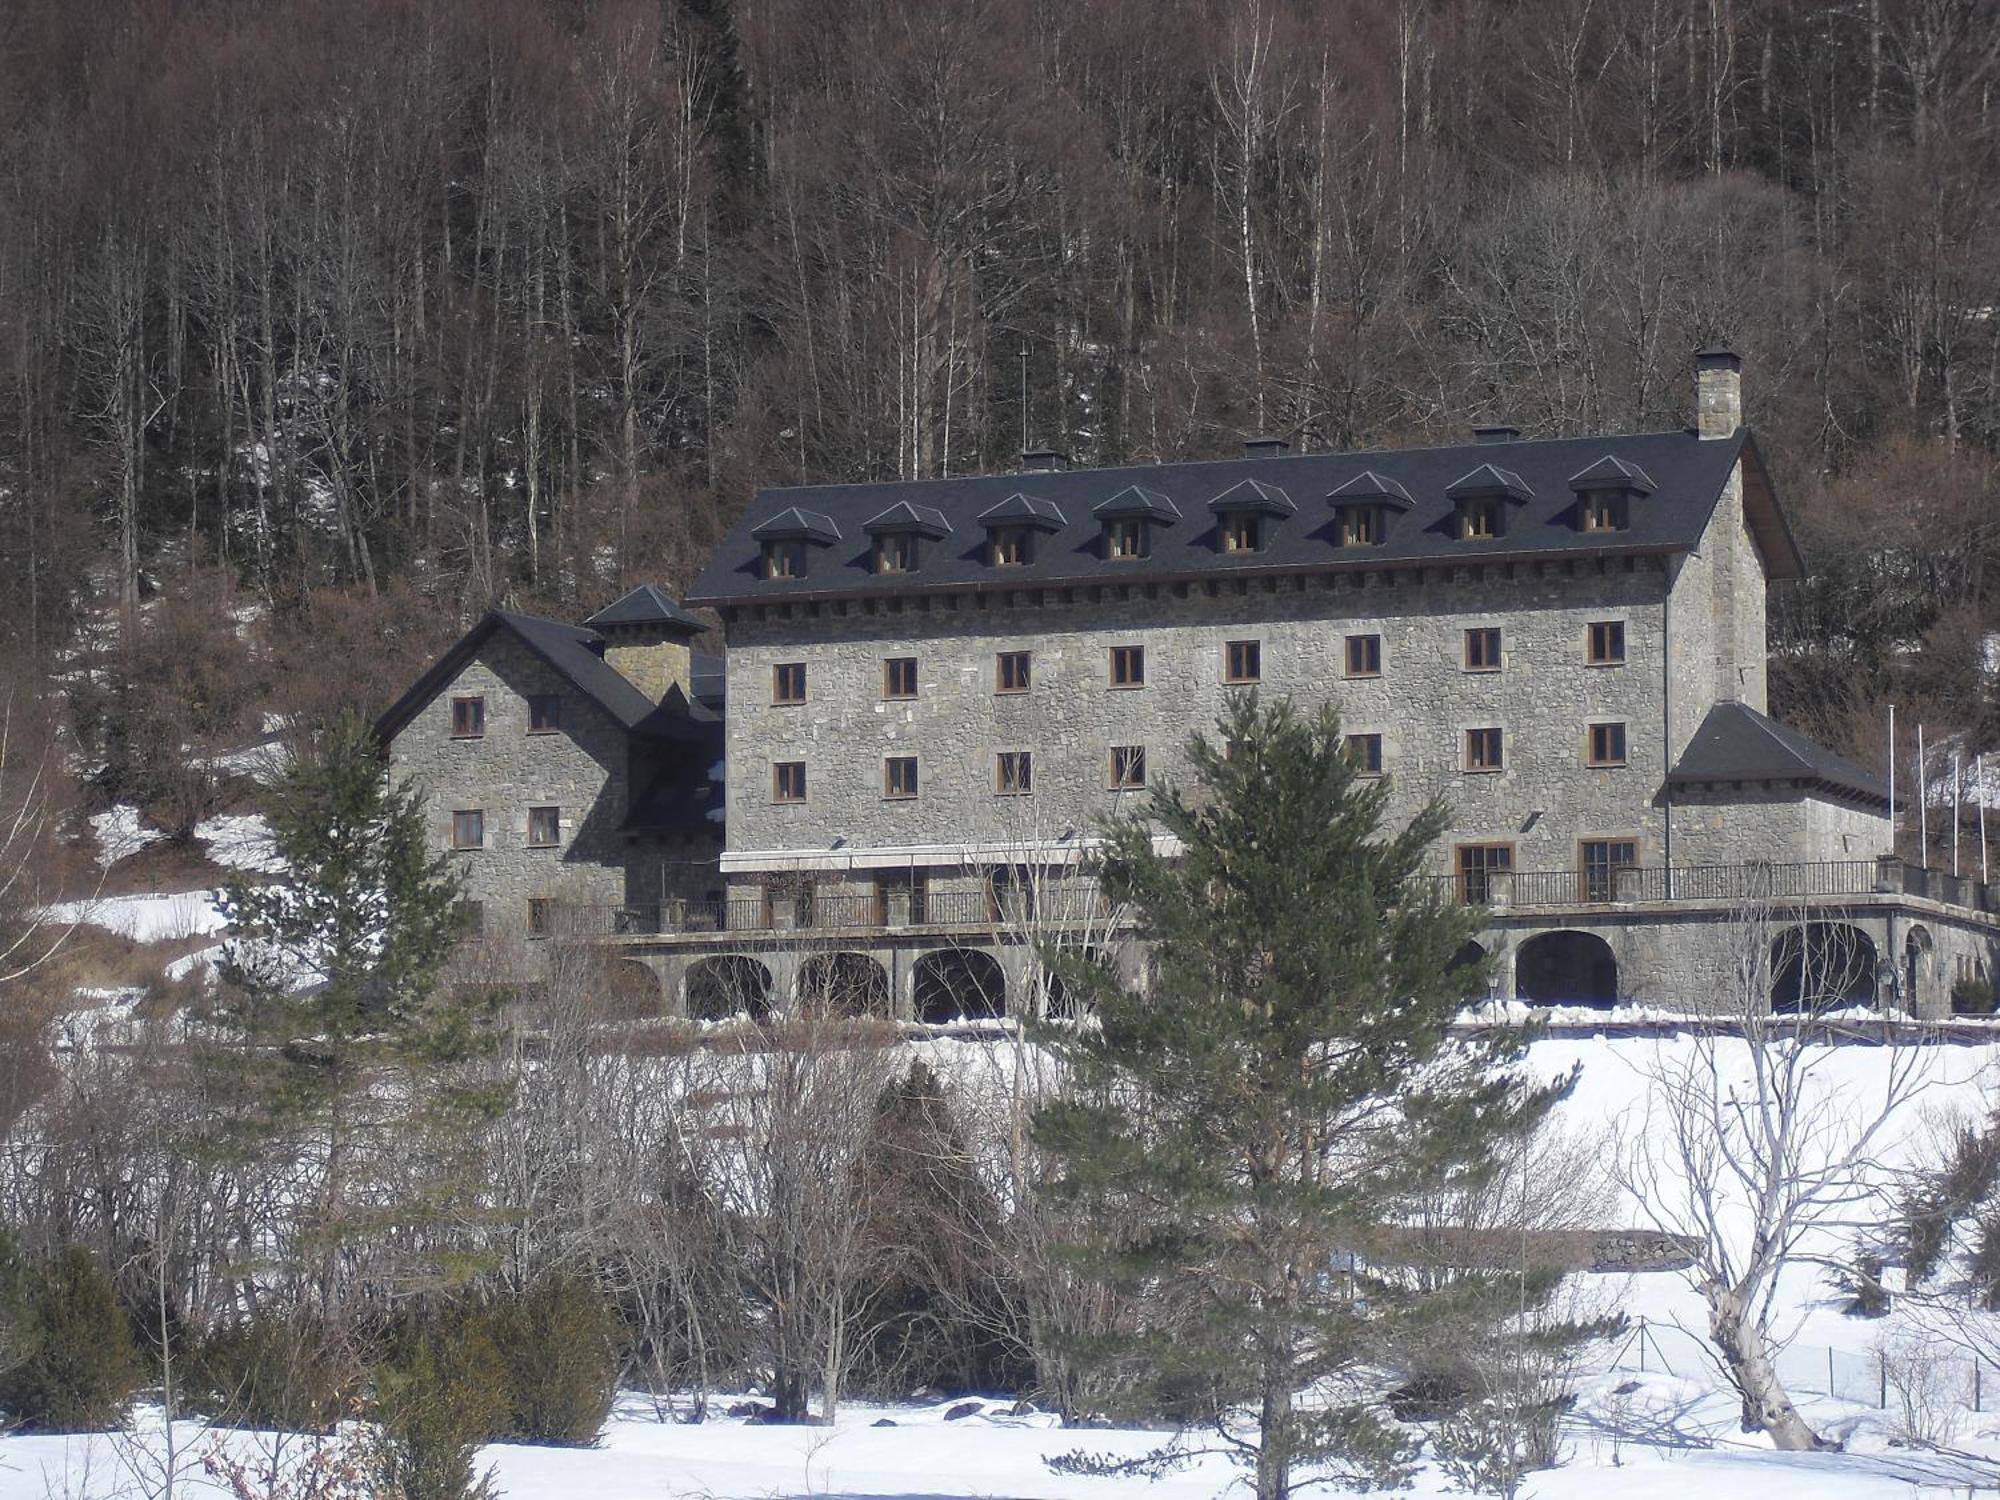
[820, 911]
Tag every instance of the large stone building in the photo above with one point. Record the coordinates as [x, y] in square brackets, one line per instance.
[938, 690]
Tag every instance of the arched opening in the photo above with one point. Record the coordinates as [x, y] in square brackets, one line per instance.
[1566, 968]
[728, 985]
[1054, 998]
[959, 984]
[843, 984]
[1916, 967]
[1820, 966]
[1470, 960]
[631, 990]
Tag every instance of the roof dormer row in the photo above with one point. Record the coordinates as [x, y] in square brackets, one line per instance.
[1365, 508]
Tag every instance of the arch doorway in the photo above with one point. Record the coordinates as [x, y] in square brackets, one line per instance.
[1566, 968]
[728, 985]
[959, 984]
[843, 984]
[1820, 966]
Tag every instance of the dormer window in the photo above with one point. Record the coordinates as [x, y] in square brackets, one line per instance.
[1011, 527]
[1013, 546]
[1243, 531]
[1362, 507]
[1245, 512]
[1481, 500]
[788, 539]
[900, 532]
[1125, 537]
[1605, 492]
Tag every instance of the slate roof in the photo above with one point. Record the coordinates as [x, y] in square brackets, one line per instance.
[646, 605]
[575, 652]
[1687, 475]
[1737, 744]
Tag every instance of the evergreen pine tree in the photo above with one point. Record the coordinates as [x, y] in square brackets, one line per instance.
[1284, 1088]
[332, 987]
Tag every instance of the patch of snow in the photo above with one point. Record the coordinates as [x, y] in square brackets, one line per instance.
[120, 834]
[240, 841]
[151, 918]
[201, 961]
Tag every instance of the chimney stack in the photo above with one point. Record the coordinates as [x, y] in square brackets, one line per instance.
[1266, 447]
[1043, 460]
[1502, 434]
[1718, 393]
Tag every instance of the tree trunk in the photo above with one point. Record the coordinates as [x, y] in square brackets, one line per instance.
[1767, 1407]
[1274, 1452]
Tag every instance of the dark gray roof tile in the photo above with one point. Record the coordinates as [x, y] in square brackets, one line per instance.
[1737, 744]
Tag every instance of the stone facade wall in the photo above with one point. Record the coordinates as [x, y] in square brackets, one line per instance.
[1544, 698]
[1740, 824]
[582, 770]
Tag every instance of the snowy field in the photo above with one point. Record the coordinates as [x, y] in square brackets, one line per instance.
[1638, 1433]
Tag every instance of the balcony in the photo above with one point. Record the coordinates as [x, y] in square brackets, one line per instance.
[818, 911]
[1639, 885]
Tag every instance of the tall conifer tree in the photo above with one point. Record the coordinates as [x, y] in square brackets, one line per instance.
[1282, 1092]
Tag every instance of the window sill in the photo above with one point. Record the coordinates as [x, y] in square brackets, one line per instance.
[468, 736]
[1126, 687]
[1482, 671]
[1360, 676]
[1604, 664]
[1242, 682]
[899, 697]
[1482, 770]
[1606, 765]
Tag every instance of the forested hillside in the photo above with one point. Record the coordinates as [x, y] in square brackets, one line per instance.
[325, 317]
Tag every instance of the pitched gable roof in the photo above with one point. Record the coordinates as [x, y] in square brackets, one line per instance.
[1491, 479]
[1373, 488]
[1254, 494]
[1137, 500]
[645, 605]
[1735, 743]
[1024, 510]
[1610, 473]
[925, 520]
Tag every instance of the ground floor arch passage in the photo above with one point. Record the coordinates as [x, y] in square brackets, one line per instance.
[1566, 968]
[959, 984]
[843, 984]
[727, 985]
[1819, 966]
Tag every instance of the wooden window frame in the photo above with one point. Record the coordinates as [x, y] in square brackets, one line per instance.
[896, 552]
[1242, 661]
[1354, 742]
[1022, 782]
[1241, 531]
[899, 778]
[784, 560]
[782, 678]
[472, 921]
[1583, 869]
[1010, 547]
[544, 713]
[554, 841]
[779, 770]
[891, 667]
[473, 707]
[1472, 765]
[1005, 662]
[541, 915]
[1482, 518]
[1129, 757]
[1591, 658]
[1125, 539]
[1127, 667]
[1483, 635]
[1350, 644]
[1605, 510]
[1360, 525]
[1462, 875]
[457, 842]
[1590, 734]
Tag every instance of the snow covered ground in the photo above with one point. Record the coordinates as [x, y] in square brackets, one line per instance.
[152, 917]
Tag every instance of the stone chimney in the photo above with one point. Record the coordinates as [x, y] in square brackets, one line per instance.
[648, 640]
[1718, 393]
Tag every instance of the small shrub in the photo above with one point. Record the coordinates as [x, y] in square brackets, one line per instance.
[557, 1340]
[1927, 1390]
[76, 1366]
[439, 1395]
[272, 1372]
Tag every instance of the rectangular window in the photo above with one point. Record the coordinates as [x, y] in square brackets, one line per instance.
[899, 777]
[784, 559]
[1014, 773]
[1128, 766]
[1365, 751]
[544, 827]
[1010, 673]
[1242, 531]
[541, 916]
[1482, 650]
[899, 677]
[1602, 860]
[788, 781]
[1607, 643]
[1128, 666]
[895, 552]
[788, 682]
[1243, 661]
[1364, 656]
[1481, 869]
[468, 829]
[1482, 749]
[1604, 511]
[1607, 745]
[1358, 526]
[1125, 538]
[544, 713]
[1010, 546]
[472, 918]
[468, 718]
[893, 883]
[1480, 519]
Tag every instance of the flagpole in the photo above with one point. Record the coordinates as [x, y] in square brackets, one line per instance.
[1923, 805]
[1979, 787]
[1892, 780]
[1957, 780]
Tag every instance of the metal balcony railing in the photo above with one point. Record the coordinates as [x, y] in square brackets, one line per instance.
[816, 911]
[1752, 881]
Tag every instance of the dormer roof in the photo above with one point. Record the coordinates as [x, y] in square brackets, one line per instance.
[1023, 510]
[924, 520]
[796, 524]
[1254, 494]
[1490, 479]
[1136, 500]
[1370, 488]
[1611, 473]
[646, 605]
